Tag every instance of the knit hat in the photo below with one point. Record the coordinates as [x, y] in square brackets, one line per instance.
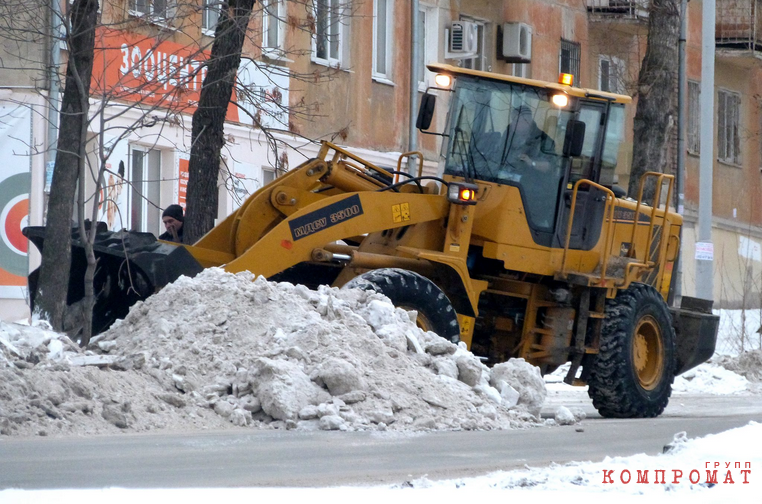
[174, 211]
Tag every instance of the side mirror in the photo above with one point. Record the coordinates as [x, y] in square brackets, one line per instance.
[575, 138]
[426, 111]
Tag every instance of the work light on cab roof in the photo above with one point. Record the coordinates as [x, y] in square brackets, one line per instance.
[443, 80]
[560, 100]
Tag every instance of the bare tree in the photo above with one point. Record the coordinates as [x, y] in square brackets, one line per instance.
[208, 136]
[53, 284]
[656, 93]
[93, 107]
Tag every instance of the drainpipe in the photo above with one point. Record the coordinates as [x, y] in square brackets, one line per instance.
[704, 246]
[415, 38]
[680, 182]
[54, 91]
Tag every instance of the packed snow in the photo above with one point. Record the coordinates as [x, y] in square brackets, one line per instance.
[231, 351]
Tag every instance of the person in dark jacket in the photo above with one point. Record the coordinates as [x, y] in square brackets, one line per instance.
[173, 222]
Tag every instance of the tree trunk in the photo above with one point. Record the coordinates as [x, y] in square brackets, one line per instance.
[209, 119]
[656, 94]
[50, 298]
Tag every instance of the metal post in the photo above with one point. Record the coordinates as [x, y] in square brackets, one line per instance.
[704, 247]
[415, 42]
[680, 178]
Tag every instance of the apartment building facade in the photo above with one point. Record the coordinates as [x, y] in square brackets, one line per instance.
[341, 70]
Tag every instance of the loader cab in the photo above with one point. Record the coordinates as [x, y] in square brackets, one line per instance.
[517, 132]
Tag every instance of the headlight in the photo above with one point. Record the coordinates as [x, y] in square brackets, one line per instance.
[443, 80]
[462, 193]
[560, 100]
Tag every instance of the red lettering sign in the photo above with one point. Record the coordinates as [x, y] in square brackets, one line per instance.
[183, 183]
[149, 71]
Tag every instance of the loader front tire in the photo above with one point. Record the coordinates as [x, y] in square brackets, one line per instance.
[411, 291]
[632, 375]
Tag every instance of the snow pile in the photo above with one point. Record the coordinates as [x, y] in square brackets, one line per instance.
[710, 379]
[747, 364]
[222, 349]
[24, 346]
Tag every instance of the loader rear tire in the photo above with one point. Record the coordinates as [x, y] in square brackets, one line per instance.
[411, 291]
[632, 375]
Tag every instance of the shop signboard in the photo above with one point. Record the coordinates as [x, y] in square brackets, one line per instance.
[150, 71]
[15, 183]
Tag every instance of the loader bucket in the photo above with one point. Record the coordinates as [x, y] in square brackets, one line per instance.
[130, 267]
[696, 331]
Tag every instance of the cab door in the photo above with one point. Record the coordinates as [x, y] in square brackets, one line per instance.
[591, 201]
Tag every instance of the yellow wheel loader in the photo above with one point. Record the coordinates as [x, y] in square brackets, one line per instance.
[521, 247]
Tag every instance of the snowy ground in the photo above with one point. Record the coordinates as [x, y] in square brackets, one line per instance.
[732, 454]
[710, 469]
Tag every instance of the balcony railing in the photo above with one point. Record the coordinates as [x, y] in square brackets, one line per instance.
[632, 9]
[739, 24]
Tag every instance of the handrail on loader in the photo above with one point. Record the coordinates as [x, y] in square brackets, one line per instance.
[646, 263]
[409, 154]
[656, 205]
[608, 219]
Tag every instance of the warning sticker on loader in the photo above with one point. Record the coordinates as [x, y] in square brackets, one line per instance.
[401, 212]
[321, 219]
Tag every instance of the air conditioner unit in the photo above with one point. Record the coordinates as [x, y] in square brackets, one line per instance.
[517, 43]
[462, 40]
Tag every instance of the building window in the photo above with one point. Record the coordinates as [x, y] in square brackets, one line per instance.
[159, 10]
[327, 43]
[611, 74]
[273, 17]
[521, 70]
[427, 53]
[145, 190]
[728, 118]
[478, 62]
[210, 16]
[693, 133]
[568, 60]
[268, 175]
[382, 38]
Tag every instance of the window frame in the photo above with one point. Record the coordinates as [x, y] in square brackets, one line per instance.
[339, 60]
[481, 46]
[386, 75]
[208, 6]
[734, 158]
[522, 70]
[429, 43]
[617, 78]
[144, 191]
[162, 19]
[573, 47]
[276, 51]
[267, 169]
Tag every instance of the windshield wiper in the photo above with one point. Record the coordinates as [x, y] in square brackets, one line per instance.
[460, 145]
